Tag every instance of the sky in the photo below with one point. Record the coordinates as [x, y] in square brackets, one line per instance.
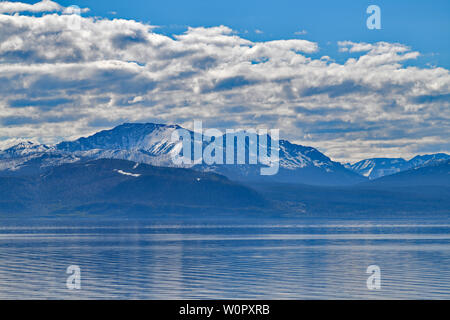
[310, 68]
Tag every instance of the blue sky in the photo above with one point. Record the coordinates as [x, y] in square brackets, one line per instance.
[311, 68]
[423, 25]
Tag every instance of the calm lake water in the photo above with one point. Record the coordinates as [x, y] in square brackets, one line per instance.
[249, 259]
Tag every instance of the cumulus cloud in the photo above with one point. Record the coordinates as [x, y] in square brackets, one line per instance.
[42, 6]
[38, 7]
[60, 82]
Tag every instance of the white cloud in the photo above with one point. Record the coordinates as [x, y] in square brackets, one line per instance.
[42, 6]
[58, 83]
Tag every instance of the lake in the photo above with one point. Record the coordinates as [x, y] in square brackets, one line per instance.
[225, 258]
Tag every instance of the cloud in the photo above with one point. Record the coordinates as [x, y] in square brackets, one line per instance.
[42, 6]
[59, 82]
[38, 7]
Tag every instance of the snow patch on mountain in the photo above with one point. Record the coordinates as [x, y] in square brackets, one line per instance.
[136, 175]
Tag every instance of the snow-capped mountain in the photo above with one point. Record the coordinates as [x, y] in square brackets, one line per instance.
[23, 149]
[297, 164]
[29, 156]
[128, 136]
[380, 167]
[146, 143]
[152, 144]
[424, 160]
[435, 173]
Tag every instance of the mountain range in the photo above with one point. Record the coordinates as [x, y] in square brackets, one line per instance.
[379, 167]
[434, 173]
[151, 144]
[128, 171]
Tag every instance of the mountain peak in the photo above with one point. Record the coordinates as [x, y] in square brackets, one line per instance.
[147, 125]
[379, 167]
[434, 156]
[127, 136]
[24, 144]
[27, 146]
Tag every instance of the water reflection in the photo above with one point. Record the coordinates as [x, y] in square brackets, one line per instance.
[267, 260]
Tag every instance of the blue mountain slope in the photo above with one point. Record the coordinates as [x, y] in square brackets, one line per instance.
[117, 187]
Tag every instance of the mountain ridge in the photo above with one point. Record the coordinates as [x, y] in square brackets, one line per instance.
[151, 143]
[435, 173]
[375, 168]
